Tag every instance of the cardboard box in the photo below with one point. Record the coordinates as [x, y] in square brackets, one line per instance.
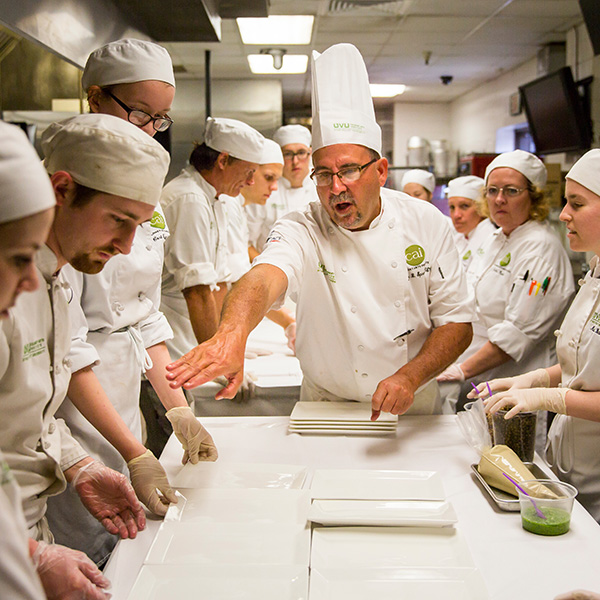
[555, 185]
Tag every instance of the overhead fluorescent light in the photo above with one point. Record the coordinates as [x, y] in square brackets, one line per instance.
[386, 90]
[262, 64]
[277, 29]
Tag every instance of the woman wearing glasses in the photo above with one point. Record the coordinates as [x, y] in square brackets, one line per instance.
[118, 329]
[522, 277]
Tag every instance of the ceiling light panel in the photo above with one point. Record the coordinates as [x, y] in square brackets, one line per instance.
[262, 64]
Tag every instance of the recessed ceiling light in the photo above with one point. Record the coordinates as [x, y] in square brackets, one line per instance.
[386, 90]
[262, 64]
[277, 29]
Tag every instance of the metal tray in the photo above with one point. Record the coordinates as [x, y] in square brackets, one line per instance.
[503, 500]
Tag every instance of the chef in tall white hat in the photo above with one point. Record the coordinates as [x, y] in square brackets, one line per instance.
[196, 270]
[418, 184]
[350, 261]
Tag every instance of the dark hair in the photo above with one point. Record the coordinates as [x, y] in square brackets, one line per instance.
[203, 158]
[83, 195]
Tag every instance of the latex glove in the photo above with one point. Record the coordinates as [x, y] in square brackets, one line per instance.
[528, 400]
[109, 497]
[150, 483]
[533, 379]
[196, 441]
[68, 574]
[578, 595]
[452, 373]
[290, 334]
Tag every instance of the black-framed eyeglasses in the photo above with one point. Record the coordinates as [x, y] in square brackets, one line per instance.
[346, 175]
[140, 118]
[301, 154]
[508, 191]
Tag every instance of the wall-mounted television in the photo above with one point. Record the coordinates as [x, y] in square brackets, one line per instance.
[558, 118]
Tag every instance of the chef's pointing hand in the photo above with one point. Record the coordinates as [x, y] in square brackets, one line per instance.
[394, 395]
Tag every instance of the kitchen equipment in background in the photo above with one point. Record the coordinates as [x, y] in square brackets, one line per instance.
[475, 164]
[441, 159]
[418, 152]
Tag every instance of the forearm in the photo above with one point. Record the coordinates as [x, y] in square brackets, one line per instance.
[555, 374]
[583, 405]
[282, 317]
[202, 310]
[86, 393]
[487, 357]
[170, 398]
[252, 252]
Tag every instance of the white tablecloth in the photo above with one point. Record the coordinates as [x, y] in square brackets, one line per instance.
[514, 563]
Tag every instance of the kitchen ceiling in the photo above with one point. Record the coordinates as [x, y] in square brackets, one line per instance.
[472, 40]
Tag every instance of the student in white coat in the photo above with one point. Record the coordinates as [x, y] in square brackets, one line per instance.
[295, 189]
[464, 195]
[351, 262]
[26, 213]
[418, 184]
[523, 281]
[571, 388]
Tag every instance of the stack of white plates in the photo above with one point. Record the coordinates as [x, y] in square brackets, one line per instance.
[344, 418]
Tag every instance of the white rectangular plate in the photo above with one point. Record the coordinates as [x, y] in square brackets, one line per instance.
[412, 513]
[337, 411]
[218, 582]
[340, 484]
[344, 424]
[396, 584]
[348, 431]
[239, 475]
[241, 506]
[221, 543]
[370, 547]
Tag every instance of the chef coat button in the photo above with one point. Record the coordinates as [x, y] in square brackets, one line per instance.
[39, 445]
[48, 287]
[330, 230]
[361, 347]
[391, 225]
[57, 369]
[572, 344]
[557, 332]
[581, 282]
[364, 375]
[353, 309]
[401, 341]
[141, 296]
[67, 362]
[148, 247]
[51, 369]
[344, 268]
[51, 428]
[394, 264]
[46, 445]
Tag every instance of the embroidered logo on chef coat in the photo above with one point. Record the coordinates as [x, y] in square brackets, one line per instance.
[595, 323]
[415, 255]
[6, 475]
[157, 221]
[467, 255]
[33, 349]
[323, 269]
[505, 261]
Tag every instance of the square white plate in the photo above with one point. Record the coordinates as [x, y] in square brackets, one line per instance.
[397, 584]
[218, 582]
[413, 513]
[350, 484]
[360, 547]
[208, 505]
[239, 475]
[337, 411]
[221, 543]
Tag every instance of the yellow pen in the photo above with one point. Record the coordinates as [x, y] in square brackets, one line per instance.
[537, 288]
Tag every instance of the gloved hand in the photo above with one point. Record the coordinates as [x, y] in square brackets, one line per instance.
[196, 441]
[148, 476]
[290, 334]
[68, 574]
[528, 400]
[109, 497]
[578, 595]
[452, 373]
[533, 379]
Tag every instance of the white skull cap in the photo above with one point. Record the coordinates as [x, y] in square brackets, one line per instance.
[234, 137]
[586, 171]
[529, 165]
[468, 186]
[293, 134]
[107, 154]
[127, 61]
[342, 107]
[424, 178]
[25, 187]
[271, 153]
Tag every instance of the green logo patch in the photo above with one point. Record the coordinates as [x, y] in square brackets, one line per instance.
[415, 255]
[505, 261]
[33, 349]
[328, 274]
[595, 319]
[157, 221]
[467, 255]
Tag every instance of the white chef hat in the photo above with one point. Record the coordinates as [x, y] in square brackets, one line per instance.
[25, 187]
[107, 154]
[271, 153]
[586, 171]
[342, 107]
[234, 137]
[424, 178]
[293, 134]
[525, 163]
[127, 61]
[468, 186]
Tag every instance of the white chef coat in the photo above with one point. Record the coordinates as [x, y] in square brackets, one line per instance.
[368, 300]
[285, 199]
[574, 444]
[18, 579]
[237, 236]
[34, 376]
[478, 238]
[195, 253]
[115, 316]
[519, 324]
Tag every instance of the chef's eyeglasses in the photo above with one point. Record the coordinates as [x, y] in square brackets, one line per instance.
[140, 118]
[346, 175]
[301, 154]
[508, 191]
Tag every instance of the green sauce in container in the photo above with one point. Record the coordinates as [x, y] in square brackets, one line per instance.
[557, 521]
